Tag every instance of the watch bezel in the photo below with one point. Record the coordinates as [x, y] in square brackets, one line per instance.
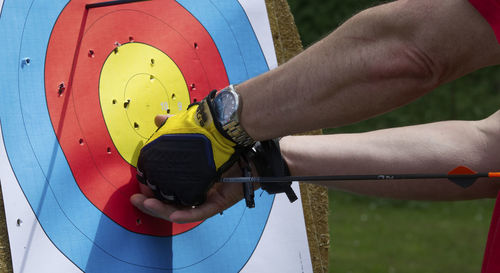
[220, 101]
[231, 126]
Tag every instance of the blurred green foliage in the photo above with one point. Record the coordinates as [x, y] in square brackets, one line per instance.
[381, 235]
[317, 18]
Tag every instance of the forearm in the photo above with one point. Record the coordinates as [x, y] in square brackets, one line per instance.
[431, 148]
[378, 60]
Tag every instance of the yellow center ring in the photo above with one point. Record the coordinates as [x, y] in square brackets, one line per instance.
[137, 83]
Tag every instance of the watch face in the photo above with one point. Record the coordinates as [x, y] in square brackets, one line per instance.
[225, 106]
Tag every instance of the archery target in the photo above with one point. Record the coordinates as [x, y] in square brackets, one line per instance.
[80, 84]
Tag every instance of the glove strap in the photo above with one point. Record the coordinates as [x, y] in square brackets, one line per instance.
[269, 162]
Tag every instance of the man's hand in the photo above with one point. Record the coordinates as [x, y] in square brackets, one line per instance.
[186, 155]
[220, 197]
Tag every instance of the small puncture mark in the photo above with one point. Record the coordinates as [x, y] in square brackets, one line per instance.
[114, 101]
[193, 86]
[168, 111]
[138, 221]
[195, 45]
[117, 45]
[173, 96]
[126, 103]
[136, 125]
[131, 39]
[61, 89]
[80, 141]
[91, 53]
[195, 100]
[108, 150]
[152, 61]
[151, 77]
[19, 222]
[25, 61]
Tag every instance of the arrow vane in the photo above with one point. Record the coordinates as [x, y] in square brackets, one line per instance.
[461, 176]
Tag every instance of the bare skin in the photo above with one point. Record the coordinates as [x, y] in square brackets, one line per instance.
[430, 148]
[380, 59]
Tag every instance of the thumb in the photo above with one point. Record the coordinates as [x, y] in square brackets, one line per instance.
[161, 119]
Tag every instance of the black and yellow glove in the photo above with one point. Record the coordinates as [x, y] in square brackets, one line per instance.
[186, 155]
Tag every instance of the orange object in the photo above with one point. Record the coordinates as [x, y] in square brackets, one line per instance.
[462, 170]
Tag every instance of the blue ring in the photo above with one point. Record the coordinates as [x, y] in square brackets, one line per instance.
[95, 243]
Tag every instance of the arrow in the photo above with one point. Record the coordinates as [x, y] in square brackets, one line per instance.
[461, 176]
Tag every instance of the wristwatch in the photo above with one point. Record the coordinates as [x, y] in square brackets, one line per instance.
[227, 107]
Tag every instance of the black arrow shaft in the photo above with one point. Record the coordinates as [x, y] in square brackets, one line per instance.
[351, 177]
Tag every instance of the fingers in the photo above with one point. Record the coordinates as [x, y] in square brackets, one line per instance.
[197, 214]
[156, 208]
[146, 190]
[138, 201]
[219, 198]
[160, 119]
[152, 206]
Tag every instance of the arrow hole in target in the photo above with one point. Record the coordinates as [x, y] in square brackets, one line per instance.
[61, 89]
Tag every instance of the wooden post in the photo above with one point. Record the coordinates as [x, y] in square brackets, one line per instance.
[287, 44]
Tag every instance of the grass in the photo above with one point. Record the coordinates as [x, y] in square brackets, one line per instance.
[382, 235]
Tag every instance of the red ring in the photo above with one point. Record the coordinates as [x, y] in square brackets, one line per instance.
[76, 58]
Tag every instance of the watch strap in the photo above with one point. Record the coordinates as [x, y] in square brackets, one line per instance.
[238, 134]
[232, 130]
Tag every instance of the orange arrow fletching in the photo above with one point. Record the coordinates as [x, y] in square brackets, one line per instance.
[462, 170]
[462, 181]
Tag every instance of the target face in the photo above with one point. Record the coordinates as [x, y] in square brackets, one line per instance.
[79, 100]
